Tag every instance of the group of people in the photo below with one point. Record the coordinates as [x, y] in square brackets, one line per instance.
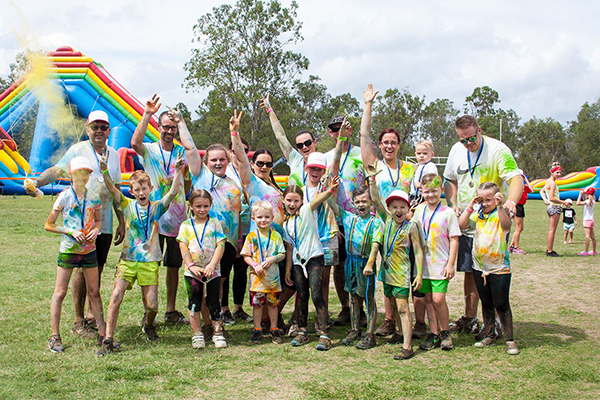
[368, 219]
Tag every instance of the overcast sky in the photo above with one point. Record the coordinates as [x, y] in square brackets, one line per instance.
[543, 57]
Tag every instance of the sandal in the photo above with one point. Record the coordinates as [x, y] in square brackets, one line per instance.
[404, 354]
[301, 339]
[324, 343]
[198, 341]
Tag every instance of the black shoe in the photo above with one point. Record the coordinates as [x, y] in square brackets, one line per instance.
[227, 318]
[276, 336]
[366, 342]
[106, 349]
[343, 317]
[256, 336]
[150, 331]
[351, 337]
[419, 331]
[431, 342]
[175, 317]
[396, 338]
[552, 254]
[243, 315]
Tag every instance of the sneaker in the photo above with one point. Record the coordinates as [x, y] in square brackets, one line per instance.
[497, 331]
[294, 330]
[552, 254]
[386, 328]
[343, 317]
[363, 319]
[431, 342]
[396, 338]
[404, 354]
[592, 253]
[446, 340]
[324, 343]
[511, 348]
[106, 349]
[300, 339]
[207, 332]
[471, 325]
[583, 253]
[90, 324]
[276, 336]
[486, 342]
[175, 317]
[198, 341]
[510, 249]
[55, 344]
[101, 338]
[366, 342]
[458, 325]
[518, 250]
[219, 341]
[419, 330]
[243, 315]
[265, 325]
[351, 337]
[256, 336]
[150, 331]
[227, 318]
[79, 328]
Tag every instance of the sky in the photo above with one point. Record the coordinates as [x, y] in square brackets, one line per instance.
[543, 57]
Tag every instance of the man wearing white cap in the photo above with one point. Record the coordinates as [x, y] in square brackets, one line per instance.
[98, 130]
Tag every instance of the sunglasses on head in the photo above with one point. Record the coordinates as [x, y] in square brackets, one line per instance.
[470, 139]
[302, 144]
[95, 127]
[260, 164]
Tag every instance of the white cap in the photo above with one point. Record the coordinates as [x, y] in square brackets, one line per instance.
[78, 163]
[97, 115]
[569, 201]
[316, 160]
[397, 194]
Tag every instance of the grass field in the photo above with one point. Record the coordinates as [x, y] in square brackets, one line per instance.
[555, 302]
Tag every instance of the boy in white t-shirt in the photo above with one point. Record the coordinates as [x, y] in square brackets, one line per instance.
[424, 152]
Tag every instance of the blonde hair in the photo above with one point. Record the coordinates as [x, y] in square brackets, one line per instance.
[431, 181]
[426, 143]
[140, 177]
[261, 206]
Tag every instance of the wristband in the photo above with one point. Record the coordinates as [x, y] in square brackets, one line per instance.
[342, 138]
[269, 110]
[332, 191]
[190, 265]
[234, 133]
[469, 210]
[105, 171]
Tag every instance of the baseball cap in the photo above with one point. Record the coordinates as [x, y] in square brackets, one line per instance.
[78, 163]
[97, 115]
[569, 201]
[590, 190]
[338, 119]
[397, 194]
[316, 160]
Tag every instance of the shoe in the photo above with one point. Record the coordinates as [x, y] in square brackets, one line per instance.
[198, 341]
[583, 253]
[592, 253]
[386, 328]
[419, 330]
[564, 242]
[101, 338]
[431, 342]
[363, 319]
[366, 342]
[80, 329]
[324, 343]
[396, 338]
[227, 318]
[55, 344]
[511, 348]
[90, 324]
[446, 340]
[219, 341]
[343, 317]
[300, 339]
[256, 336]
[107, 348]
[243, 315]
[150, 331]
[458, 325]
[404, 354]
[207, 332]
[294, 330]
[175, 317]
[351, 337]
[276, 336]
[471, 325]
[510, 249]
[518, 250]
[552, 254]
[486, 342]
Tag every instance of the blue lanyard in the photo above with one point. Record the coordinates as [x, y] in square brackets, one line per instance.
[304, 173]
[420, 174]
[365, 234]
[389, 247]
[472, 170]
[295, 238]
[344, 163]
[235, 172]
[212, 182]
[262, 254]
[96, 156]
[481, 216]
[82, 209]
[145, 225]
[308, 190]
[426, 231]
[397, 170]
[165, 165]
[201, 239]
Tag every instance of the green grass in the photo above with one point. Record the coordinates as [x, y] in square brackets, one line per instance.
[556, 306]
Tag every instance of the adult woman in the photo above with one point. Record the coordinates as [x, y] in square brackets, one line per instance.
[551, 197]
[519, 217]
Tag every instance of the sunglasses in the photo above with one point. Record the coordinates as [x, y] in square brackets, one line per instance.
[468, 140]
[307, 143]
[335, 129]
[261, 164]
[95, 127]
[169, 127]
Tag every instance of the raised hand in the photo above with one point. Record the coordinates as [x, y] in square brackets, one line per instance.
[265, 103]
[371, 170]
[174, 114]
[103, 161]
[234, 121]
[180, 162]
[498, 198]
[152, 105]
[345, 128]
[369, 95]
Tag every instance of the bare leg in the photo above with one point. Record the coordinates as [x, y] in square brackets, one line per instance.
[431, 314]
[566, 234]
[441, 310]
[339, 280]
[172, 282]
[116, 298]
[389, 311]
[593, 237]
[150, 295]
[257, 315]
[78, 294]
[552, 231]
[88, 308]
[419, 305]
[355, 305]
[518, 230]
[273, 314]
[471, 296]
[93, 293]
[587, 239]
[60, 291]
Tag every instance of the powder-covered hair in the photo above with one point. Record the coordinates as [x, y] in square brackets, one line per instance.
[361, 189]
[431, 181]
[216, 147]
[139, 176]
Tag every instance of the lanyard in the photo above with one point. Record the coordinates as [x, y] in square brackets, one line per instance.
[201, 239]
[344, 163]
[295, 238]
[162, 154]
[426, 231]
[397, 175]
[389, 247]
[308, 190]
[420, 175]
[262, 254]
[235, 172]
[212, 182]
[365, 237]
[82, 209]
[96, 155]
[145, 225]
[481, 216]
[472, 170]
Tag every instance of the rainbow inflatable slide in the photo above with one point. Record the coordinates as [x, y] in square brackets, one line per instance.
[570, 184]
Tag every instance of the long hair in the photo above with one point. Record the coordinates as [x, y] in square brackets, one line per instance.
[199, 194]
[292, 189]
[271, 176]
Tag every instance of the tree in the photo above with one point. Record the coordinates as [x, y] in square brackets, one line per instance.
[482, 102]
[585, 132]
[438, 125]
[542, 142]
[242, 54]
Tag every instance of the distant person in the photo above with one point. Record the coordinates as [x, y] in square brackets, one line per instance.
[588, 219]
[569, 220]
[551, 197]
[519, 217]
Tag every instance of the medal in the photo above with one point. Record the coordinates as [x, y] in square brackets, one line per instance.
[145, 225]
[298, 257]
[200, 240]
[101, 179]
[146, 247]
[471, 184]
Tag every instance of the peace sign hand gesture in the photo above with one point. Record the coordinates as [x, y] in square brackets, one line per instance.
[234, 121]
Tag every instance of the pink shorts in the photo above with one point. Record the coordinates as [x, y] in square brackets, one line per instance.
[588, 223]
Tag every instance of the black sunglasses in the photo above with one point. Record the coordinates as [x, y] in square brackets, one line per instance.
[307, 143]
[261, 164]
[95, 127]
[335, 129]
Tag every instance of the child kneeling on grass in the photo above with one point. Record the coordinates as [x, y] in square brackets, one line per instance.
[262, 250]
[80, 212]
[202, 243]
[491, 265]
[141, 250]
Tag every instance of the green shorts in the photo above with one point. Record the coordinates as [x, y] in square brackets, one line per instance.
[395, 291]
[146, 273]
[434, 286]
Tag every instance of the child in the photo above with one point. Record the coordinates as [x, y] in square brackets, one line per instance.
[80, 212]
[491, 265]
[588, 219]
[400, 238]
[424, 152]
[141, 250]
[265, 285]
[569, 220]
[301, 230]
[202, 243]
[440, 232]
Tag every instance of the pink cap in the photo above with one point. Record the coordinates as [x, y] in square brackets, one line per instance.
[398, 194]
[97, 115]
[316, 160]
[78, 163]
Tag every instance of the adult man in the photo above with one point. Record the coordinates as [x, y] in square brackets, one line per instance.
[158, 160]
[98, 130]
[473, 160]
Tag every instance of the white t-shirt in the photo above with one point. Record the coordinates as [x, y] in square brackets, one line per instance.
[302, 231]
[588, 210]
[422, 170]
[351, 175]
[297, 165]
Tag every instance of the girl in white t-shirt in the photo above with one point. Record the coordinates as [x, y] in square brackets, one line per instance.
[301, 230]
[588, 204]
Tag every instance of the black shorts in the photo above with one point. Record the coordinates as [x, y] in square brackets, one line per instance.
[465, 254]
[520, 211]
[69, 260]
[103, 242]
[172, 255]
[342, 246]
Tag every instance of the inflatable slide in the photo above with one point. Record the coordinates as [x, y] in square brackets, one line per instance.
[570, 184]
